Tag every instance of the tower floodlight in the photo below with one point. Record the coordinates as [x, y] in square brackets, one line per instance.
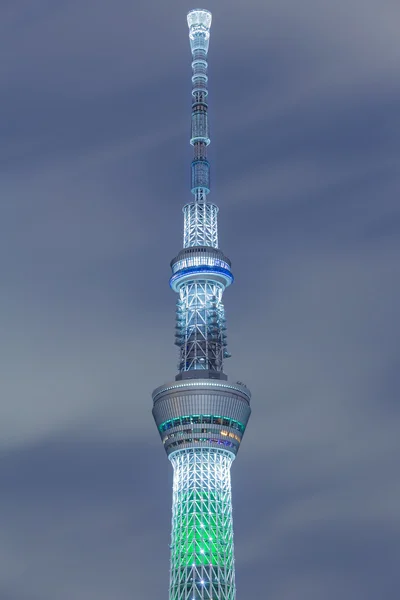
[201, 417]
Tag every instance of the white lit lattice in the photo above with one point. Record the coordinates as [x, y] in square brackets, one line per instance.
[199, 20]
[202, 554]
[201, 326]
[200, 224]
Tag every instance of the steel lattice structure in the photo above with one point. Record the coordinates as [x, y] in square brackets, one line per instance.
[201, 225]
[201, 417]
[200, 329]
[202, 531]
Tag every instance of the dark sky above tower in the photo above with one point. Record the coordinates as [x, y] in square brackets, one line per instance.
[95, 166]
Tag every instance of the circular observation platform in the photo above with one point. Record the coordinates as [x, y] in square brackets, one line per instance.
[200, 262]
[201, 413]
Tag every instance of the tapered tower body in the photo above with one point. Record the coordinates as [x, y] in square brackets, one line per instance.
[201, 416]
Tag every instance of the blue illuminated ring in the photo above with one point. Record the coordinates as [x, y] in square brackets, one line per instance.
[223, 274]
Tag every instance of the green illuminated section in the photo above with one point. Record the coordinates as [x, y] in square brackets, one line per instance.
[200, 419]
[202, 561]
[202, 534]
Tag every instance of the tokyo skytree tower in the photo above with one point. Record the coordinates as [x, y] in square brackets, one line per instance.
[201, 417]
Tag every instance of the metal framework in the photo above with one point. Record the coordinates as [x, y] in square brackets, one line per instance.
[200, 326]
[202, 563]
[200, 224]
[201, 417]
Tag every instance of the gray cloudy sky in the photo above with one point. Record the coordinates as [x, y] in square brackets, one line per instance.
[94, 155]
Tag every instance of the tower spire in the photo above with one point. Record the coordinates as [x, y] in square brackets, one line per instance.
[201, 417]
[200, 272]
[200, 227]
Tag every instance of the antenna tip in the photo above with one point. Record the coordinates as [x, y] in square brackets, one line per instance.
[199, 19]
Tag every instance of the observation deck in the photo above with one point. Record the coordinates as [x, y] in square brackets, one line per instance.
[200, 262]
[201, 413]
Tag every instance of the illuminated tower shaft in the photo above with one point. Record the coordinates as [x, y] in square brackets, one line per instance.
[200, 416]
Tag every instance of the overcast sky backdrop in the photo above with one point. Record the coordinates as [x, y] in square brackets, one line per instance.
[94, 162]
